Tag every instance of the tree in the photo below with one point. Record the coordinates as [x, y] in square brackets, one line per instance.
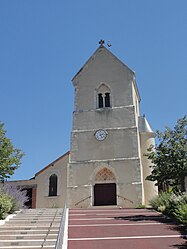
[169, 157]
[10, 157]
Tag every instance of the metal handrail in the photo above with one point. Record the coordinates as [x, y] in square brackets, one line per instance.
[45, 238]
[60, 237]
[125, 198]
[82, 200]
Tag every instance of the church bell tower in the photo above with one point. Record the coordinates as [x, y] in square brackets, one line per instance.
[106, 165]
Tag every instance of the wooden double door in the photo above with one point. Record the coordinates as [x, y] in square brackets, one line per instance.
[105, 194]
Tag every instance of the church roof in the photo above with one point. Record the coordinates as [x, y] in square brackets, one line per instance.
[49, 165]
[144, 126]
[98, 50]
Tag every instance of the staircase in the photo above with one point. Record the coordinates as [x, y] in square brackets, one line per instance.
[31, 229]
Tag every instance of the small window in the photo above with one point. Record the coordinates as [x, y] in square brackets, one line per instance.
[103, 96]
[100, 100]
[53, 185]
[103, 102]
[107, 99]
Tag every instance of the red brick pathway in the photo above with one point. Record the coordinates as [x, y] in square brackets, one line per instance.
[122, 228]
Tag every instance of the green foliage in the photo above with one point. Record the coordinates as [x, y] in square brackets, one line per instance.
[169, 158]
[181, 213]
[173, 205]
[5, 205]
[161, 202]
[12, 199]
[18, 196]
[9, 156]
[140, 206]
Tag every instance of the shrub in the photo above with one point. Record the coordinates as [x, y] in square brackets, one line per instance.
[175, 201]
[171, 204]
[5, 205]
[180, 213]
[18, 197]
[161, 202]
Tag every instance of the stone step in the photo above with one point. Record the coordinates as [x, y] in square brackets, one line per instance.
[27, 236]
[36, 218]
[28, 227]
[38, 214]
[32, 211]
[47, 214]
[28, 247]
[35, 214]
[105, 207]
[42, 212]
[21, 222]
[39, 231]
[28, 242]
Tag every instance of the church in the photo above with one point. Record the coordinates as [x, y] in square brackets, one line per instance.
[106, 165]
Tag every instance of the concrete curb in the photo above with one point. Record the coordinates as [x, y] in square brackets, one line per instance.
[10, 216]
[65, 240]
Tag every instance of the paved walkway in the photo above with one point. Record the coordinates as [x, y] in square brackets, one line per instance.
[123, 228]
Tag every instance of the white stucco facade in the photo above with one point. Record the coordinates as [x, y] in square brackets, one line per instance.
[123, 148]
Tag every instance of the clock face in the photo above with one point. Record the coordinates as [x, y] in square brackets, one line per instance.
[100, 135]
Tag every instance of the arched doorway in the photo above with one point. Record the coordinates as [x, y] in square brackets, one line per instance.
[104, 188]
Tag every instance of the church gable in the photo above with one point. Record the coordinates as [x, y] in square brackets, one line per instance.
[52, 183]
[103, 70]
[101, 50]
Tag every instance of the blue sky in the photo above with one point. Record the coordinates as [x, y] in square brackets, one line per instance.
[44, 43]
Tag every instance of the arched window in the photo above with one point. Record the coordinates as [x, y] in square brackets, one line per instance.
[53, 185]
[107, 99]
[100, 100]
[103, 97]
